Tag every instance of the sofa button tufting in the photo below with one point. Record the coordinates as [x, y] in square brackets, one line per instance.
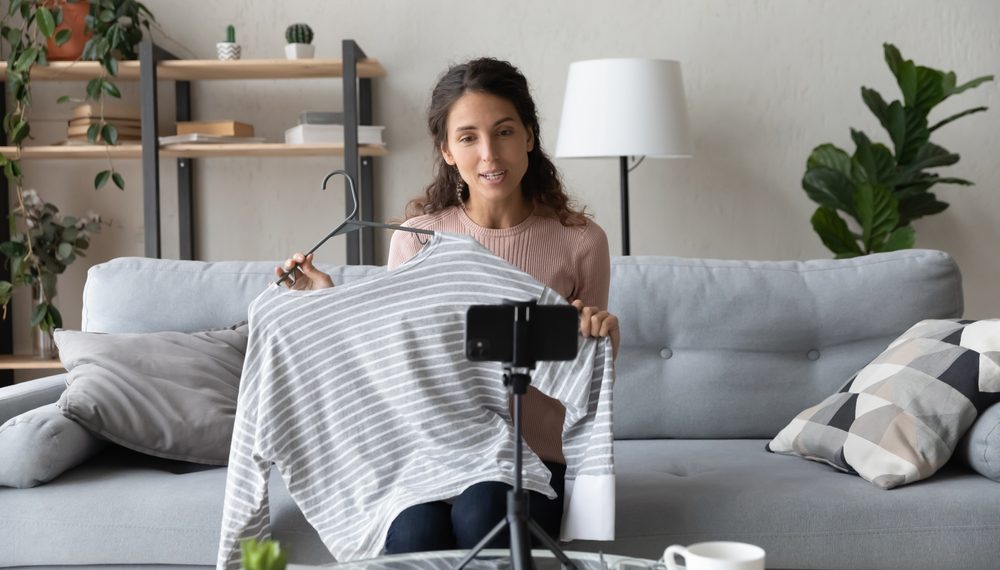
[813, 354]
[666, 353]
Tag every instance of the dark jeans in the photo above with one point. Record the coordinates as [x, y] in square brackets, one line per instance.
[471, 516]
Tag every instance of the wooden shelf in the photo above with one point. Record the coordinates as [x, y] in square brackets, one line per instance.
[190, 151]
[201, 69]
[28, 362]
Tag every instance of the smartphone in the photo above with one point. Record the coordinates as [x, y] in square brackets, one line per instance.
[552, 332]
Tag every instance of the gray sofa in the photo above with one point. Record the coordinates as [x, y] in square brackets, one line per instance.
[717, 356]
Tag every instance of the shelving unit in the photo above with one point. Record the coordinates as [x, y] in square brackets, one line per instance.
[155, 65]
[27, 362]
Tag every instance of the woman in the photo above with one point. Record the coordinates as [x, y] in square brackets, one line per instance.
[493, 181]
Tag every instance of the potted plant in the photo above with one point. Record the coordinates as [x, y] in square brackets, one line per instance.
[229, 49]
[74, 21]
[116, 28]
[263, 555]
[39, 251]
[881, 190]
[299, 38]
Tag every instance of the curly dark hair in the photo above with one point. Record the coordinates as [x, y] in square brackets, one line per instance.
[541, 183]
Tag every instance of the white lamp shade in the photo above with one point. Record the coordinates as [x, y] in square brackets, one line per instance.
[624, 107]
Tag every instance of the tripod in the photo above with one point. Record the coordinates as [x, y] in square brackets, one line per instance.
[517, 378]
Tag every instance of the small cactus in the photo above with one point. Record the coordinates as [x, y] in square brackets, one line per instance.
[299, 34]
[231, 34]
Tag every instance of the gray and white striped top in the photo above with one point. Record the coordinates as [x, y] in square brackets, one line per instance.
[362, 397]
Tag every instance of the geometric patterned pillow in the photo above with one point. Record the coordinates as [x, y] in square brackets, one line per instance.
[899, 419]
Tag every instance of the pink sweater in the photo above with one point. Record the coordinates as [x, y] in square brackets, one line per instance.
[572, 260]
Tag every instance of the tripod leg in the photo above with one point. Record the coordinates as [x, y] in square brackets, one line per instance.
[482, 544]
[550, 543]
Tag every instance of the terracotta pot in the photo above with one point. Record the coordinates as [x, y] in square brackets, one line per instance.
[74, 16]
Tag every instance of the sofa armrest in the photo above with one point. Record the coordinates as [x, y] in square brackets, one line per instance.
[19, 398]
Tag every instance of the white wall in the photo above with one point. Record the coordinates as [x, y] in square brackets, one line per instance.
[767, 80]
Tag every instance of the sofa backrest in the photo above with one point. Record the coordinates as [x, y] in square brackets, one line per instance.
[736, 349]
[138, 294]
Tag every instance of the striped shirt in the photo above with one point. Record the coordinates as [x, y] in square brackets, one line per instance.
[363, 399]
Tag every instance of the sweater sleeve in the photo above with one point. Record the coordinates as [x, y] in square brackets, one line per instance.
[593, 267]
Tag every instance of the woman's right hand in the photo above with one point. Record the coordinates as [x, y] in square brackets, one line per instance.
[305, 276]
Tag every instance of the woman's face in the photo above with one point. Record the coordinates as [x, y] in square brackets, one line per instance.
[489, 144]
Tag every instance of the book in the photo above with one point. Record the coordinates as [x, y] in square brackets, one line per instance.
[310, 134]
[112, 110]
[321, 118]
[208, 139]
[217, 128]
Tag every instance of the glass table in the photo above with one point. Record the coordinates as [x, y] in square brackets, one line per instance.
[498, 559]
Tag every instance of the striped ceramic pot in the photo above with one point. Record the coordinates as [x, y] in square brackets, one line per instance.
[227, 50]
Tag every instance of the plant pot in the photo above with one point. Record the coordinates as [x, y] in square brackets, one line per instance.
[228, 51]
[74, 16]
[299, 51]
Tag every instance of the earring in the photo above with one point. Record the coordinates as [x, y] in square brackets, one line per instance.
[459, 187]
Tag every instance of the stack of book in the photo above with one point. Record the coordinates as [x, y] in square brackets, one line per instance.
[124, 118]
[316, 127]
[216, 132]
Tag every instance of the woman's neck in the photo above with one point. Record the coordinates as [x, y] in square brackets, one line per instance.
[498, 216]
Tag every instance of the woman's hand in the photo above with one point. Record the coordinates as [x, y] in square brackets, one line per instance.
[305, 276]
[595, 322]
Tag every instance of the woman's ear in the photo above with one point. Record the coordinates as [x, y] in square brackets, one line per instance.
[448, 158]
[531, 140]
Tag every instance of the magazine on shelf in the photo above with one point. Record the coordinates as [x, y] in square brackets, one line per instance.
[208, 139]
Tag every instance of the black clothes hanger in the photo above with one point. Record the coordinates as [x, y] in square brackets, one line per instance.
[350, 223]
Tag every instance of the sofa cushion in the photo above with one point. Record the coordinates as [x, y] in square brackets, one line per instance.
[138, 294]
[724, 349]
[39, 445]
[804, 514]
[168, 394]
[980, 448]
[899, 418]
[136, 511]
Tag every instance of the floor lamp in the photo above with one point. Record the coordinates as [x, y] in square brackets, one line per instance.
[624, 108]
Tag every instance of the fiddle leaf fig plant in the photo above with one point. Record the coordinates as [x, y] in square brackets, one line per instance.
[882, 188]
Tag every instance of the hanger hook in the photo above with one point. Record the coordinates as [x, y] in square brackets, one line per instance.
[350, 184]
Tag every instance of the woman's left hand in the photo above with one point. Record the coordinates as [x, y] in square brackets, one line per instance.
[599, 323]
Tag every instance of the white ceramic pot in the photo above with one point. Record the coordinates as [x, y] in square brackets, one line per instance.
[228, 51]
[299, 51]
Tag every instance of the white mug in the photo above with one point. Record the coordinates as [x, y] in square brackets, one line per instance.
[716, 556]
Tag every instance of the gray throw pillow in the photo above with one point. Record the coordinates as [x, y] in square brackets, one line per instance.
[981, 446]
[39, 445]
[168, 394]
[901, 417]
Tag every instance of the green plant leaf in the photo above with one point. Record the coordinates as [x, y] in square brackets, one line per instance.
[110, 134]
[878, 214]
[118, 180]
[874, 101]
[6, 288]
[875, 159]
[64, 250]
[62, 99]
[93, 131]
[111, 89]
[909, 131]
[46, 21]
[26, 59]
[833, 231]
[107, 16]
[968, 85]
[830, 188]
[917, 206]
[19, 133]
[930, 155]
[893, 58]
[94, 88]
[63, 36]
[907, 80]
[904, 237]
[929, 90]
[947, 120]
[830, 156]
[111, 64]
[101, 179]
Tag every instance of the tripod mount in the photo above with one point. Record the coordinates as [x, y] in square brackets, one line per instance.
[530, 340]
